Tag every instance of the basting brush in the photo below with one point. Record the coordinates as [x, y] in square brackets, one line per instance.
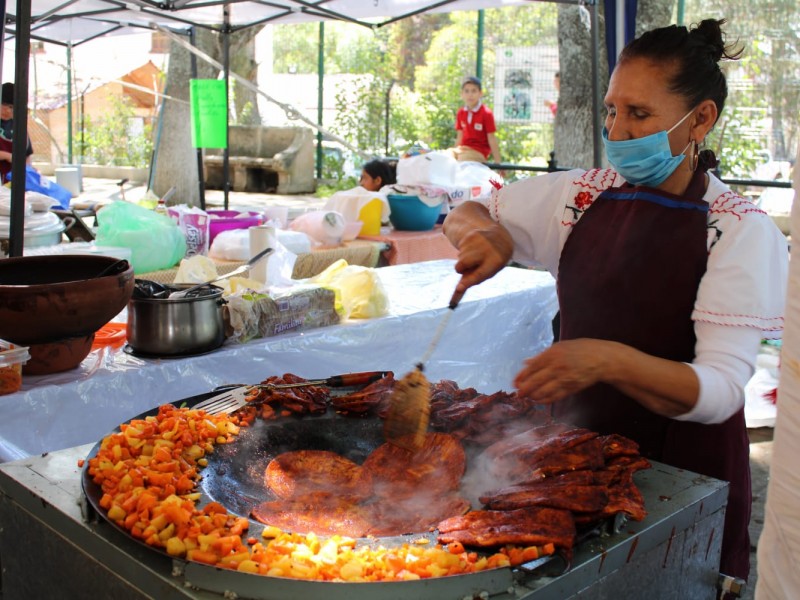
[410, 403]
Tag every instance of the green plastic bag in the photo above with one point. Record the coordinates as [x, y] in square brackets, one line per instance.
[155, 240]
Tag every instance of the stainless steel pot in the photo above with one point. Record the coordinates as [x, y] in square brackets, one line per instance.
[174, 327]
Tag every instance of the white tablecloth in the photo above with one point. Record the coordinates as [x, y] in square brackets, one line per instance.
[496, 326]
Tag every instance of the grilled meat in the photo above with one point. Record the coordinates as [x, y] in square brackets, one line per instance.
[615, 445]
[480, 418]
[304, 471]
[575, 491]
[371, 400]
[321, 513]
[541, 452]
[436, 468]
[414, 515]
[525, 526]
[586, 455]
[312, 399]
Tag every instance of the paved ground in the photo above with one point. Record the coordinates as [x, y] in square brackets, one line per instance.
[108, 190]
[104, 190]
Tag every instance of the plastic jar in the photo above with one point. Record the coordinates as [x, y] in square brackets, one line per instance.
[12, 358]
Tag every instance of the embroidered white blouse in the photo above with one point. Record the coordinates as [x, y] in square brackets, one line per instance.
[741, 297]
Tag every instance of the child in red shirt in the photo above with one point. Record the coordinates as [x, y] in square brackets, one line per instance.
[475, 139]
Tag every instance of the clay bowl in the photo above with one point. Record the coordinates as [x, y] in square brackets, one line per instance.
[49, 299]
[58, 356]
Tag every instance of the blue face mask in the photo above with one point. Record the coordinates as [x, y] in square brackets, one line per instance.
[647, 160]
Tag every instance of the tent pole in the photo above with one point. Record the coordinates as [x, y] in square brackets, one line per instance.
[199, 151]
[596, 142]
[69, 102]
[320, 95]
[479, 52]
[226, 63]
[19, 143]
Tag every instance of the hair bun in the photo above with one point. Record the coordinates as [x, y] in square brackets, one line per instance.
[710, 31]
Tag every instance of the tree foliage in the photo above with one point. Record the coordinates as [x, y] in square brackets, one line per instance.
[764, 86]
[118, 138]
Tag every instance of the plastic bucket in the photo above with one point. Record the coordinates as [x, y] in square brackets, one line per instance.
[370, 216]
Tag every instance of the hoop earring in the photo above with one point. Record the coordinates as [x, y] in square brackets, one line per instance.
[694, 156]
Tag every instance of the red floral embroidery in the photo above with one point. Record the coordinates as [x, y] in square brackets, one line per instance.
[583, 200]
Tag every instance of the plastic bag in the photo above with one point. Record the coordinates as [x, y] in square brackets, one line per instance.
[155, 241]
[34, 182]
[325, 227]
[359, 291]
[434, 168]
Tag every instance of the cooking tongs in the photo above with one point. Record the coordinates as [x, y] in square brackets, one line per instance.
[236, 398]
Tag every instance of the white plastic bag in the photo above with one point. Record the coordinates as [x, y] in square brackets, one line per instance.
[323, 226]
[432, 168]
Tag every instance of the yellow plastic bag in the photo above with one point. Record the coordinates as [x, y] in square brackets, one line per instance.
[359, 291]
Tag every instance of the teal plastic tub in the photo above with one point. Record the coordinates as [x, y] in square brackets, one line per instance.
[409, 213]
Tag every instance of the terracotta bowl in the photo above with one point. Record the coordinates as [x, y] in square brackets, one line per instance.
[61, 355]
[47, 299]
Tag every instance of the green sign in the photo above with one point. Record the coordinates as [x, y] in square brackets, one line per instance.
[209, 113]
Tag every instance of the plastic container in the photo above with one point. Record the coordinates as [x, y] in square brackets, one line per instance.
[370, 216]
[409, 213]
[223, 220]
[12, 358]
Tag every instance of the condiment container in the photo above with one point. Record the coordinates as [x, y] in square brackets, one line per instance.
[12, 358]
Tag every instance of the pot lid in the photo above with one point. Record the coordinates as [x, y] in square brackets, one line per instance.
[35, 224]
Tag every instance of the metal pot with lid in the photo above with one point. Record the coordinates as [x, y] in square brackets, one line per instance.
[163, 326]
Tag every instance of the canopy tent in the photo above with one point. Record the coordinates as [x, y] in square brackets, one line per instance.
[77, 21]
[74, 22]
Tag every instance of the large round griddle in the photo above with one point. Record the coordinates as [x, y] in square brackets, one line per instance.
[234, 476]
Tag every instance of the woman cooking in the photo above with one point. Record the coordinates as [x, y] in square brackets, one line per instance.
[667, 280]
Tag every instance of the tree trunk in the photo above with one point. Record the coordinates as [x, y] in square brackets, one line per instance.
[651, 14]
[175, 158]
[573, 126]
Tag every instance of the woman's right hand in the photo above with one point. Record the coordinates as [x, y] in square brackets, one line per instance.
[484, 247]
[482, 253]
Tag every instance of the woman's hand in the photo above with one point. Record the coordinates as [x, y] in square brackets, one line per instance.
[484, 247]
[565, 368]
[482, 253]
[666, 387]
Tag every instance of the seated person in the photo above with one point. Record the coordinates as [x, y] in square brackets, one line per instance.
[7, 131]
[377, 173]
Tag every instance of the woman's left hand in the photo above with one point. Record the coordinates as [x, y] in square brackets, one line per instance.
[565, 368]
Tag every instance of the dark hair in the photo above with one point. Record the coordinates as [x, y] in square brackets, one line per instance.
[7, 96]
[386, 170]
[695, 52]
[473, 80]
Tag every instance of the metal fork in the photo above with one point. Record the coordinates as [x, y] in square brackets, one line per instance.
[226, 402]
[236, 398]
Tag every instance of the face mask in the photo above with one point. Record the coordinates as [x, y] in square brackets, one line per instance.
[647, 160]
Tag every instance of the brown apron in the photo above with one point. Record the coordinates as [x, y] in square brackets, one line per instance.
[629, 272]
